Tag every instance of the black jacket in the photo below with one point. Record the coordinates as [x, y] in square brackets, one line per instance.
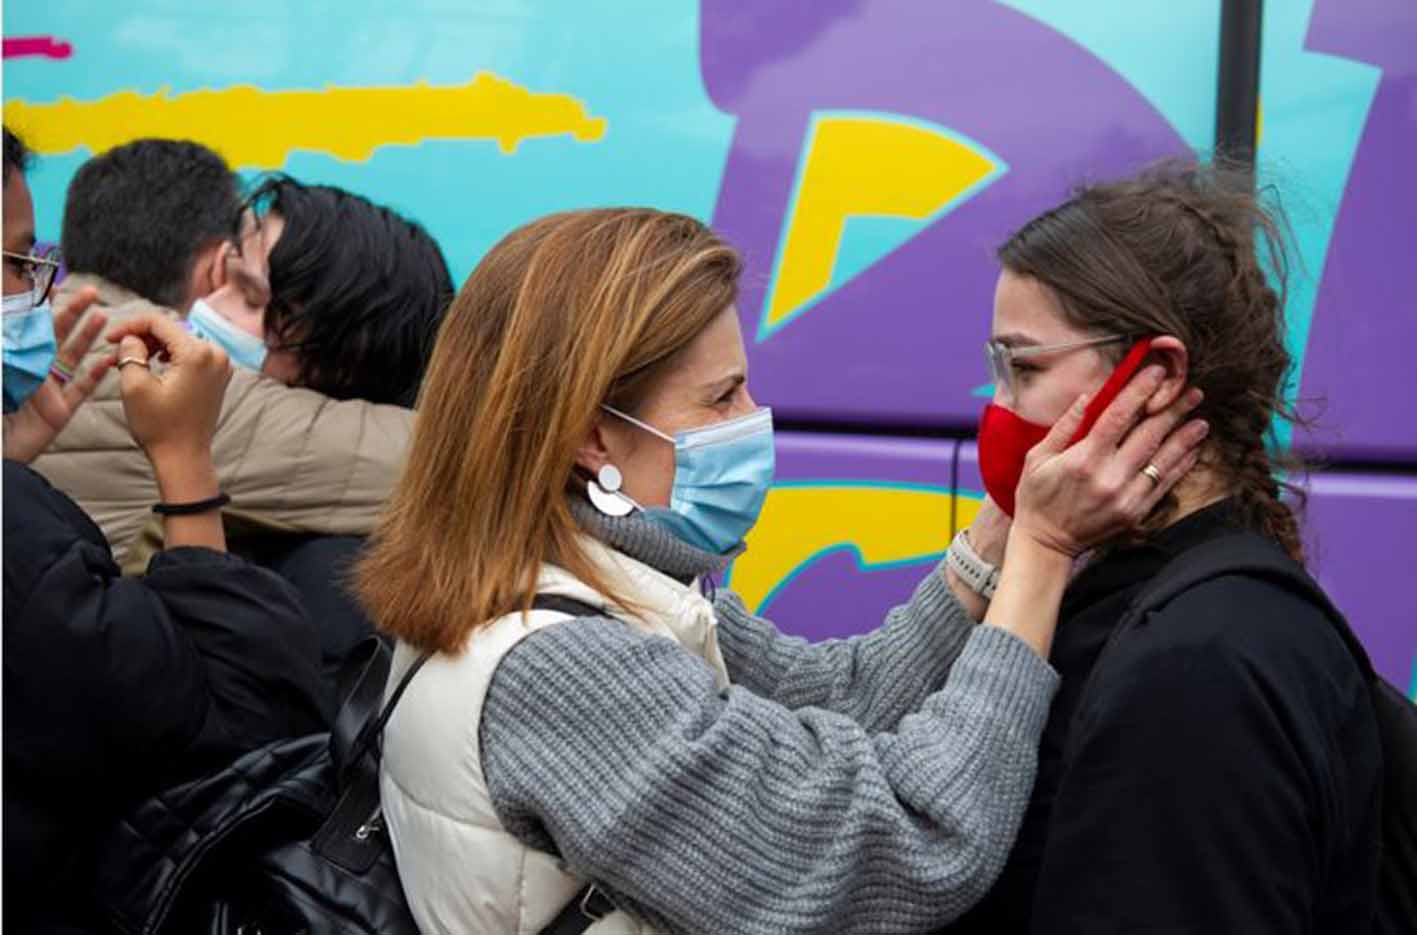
[115, 687]
[320, 569]
[1225, 772]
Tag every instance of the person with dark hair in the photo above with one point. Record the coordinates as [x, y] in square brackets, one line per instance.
[291, 459]
[17, 155]
[356, 297]
[154, 217]
[117, 686]
[357, 292]
[1217, 766]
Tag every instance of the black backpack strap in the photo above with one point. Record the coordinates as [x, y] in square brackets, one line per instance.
[360, 720]
[1254, 556]
[377, 727]
[566, 605]
[349, 836]
[357, 727]
[584, 910]
[1240, 553]
[359, 689]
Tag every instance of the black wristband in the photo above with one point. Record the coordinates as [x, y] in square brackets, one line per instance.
[191, 509]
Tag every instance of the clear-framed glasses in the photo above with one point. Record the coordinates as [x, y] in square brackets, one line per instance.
[1001, 357]
[40, 266]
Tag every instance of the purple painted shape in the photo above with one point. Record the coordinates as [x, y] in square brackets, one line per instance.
[1361, 531]
[833, 597]
[1365, 316]
[818, 455]
[902, 341]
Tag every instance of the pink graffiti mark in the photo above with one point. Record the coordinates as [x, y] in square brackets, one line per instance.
[37, 46]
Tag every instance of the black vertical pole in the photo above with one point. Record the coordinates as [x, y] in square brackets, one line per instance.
[1237, 93]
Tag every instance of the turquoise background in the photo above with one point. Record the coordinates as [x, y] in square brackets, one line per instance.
[633, 62]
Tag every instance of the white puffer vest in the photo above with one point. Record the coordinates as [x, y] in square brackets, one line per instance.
[462, 872]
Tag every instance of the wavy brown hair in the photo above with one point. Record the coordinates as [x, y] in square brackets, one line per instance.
[1188, 250]
[565, 313]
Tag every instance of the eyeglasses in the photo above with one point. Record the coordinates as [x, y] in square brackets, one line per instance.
[1001, 357]
[40, 266]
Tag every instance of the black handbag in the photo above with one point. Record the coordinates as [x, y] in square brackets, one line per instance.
[289, 839]
[285, 840]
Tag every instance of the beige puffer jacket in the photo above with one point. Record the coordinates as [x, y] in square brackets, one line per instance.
[290, 458]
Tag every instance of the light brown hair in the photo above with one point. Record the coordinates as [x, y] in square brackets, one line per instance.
[1187, 250]
[563, 314]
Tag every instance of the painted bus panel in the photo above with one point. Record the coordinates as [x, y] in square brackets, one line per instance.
[866, 155]
[881, 151]
[851, 525]
[1365, 320]
[1359, 532]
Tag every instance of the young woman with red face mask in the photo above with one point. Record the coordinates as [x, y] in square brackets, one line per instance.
[1219, 770]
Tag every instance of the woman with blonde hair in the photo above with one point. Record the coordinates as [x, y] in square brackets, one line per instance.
[587, 455]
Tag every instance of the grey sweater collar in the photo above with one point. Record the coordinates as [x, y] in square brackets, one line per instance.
[643, 539]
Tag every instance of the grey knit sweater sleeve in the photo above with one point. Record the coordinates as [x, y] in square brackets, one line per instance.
[724, 813]
[875, 679]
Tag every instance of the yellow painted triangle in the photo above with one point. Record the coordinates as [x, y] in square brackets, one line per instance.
[865, 165]
[882, 523]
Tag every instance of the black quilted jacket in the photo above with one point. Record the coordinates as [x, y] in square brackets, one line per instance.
[116, 687]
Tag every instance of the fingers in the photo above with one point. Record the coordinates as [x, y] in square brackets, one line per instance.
[1173, 462]
[66, 317]
[161, 335]
[132, 377]
[1145, 440]
[141, 325]
[1122, 414]
[1175, 458]
[72, 352]
[1062, 432]
[82, 386]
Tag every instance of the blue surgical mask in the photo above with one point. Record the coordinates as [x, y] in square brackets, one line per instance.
[721, 477]
[245, 350]
[29, 347]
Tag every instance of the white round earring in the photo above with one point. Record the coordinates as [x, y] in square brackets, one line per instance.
[604, 492]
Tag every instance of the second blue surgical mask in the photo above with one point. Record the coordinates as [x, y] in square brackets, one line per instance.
[29, 347]
[722, 473]
[244, 349]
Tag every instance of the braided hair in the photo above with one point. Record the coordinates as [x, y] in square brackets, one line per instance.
[1188, 250]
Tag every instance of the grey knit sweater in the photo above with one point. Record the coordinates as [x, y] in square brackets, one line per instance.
[866, 785]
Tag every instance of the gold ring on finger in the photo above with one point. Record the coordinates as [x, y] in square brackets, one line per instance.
[133, 360]
[1152, 474]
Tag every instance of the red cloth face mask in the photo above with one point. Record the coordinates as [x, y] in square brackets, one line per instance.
[1005, 437]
